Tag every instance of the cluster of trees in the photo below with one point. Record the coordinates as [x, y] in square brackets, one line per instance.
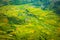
[41, 3]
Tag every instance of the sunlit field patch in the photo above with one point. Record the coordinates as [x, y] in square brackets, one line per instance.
[27, 22]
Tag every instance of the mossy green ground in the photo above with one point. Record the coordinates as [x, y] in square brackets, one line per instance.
[26, 22]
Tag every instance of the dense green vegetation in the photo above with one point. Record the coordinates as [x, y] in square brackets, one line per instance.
[26, 22]
[29, 20]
